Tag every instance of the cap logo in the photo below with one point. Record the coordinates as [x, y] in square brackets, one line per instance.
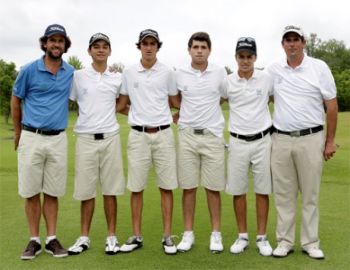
[56, 28]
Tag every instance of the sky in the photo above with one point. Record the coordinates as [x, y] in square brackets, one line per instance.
[23, 22]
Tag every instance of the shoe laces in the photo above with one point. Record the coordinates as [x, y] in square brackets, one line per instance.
[31, 245]
[168, 240]
[240, 240]
[134, 238]
[262, 241]
[80, 241]
[112, 241]
[216, 237]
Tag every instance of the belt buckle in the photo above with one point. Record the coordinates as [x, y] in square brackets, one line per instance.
[99, 136]
[295, 133]
[198, 131]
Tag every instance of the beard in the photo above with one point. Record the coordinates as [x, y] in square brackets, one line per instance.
[54, 56]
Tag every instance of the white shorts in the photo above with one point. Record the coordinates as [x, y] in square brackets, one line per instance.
[201, 160]
[244, 155]
[98, 161]
[42, 164]
[147, 148]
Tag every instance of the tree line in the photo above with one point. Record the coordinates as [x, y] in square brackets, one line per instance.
[333, 52]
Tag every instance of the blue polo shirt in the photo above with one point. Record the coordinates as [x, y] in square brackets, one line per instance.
[44, 95]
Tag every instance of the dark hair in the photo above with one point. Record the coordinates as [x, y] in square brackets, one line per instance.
[200, 36]
[302, 38]
[43, 41]
[138, 44]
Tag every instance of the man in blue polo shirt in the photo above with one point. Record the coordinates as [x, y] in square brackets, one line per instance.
[41, 91]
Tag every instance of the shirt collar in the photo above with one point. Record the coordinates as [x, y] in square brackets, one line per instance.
[42, 67]
[140, 67]
[303, 63]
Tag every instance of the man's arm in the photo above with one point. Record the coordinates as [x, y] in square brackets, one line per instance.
[16, 112]
[331, 118]
[175, 102]
[123, 104]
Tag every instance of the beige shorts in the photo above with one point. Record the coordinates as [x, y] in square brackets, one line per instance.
[244, 155]
[201, 160]
[147, 148]
[98, 162]
[42, 164]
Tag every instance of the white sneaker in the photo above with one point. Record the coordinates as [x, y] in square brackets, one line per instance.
[187, 241]
[112, 245]
[282, 251]
[314, 253]
[216, 242]
[82, 244]
[168, 245]
[264, 246]
[239, 245]
[134, 242]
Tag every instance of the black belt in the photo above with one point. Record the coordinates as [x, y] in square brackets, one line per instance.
[150, 129]
[99, 136]
[250, 138]
[42, 131]
[299, 133]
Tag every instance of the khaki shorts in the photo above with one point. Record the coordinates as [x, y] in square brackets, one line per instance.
[201, 160]
[42, 164]
[98, 162]
[147, 148]
[244, 155]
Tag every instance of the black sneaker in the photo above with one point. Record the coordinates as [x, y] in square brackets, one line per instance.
[134, 242]
[55, 248]
[32, 250]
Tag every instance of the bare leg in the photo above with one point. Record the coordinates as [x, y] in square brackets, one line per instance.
[214, 206]
[110, 206]
[50, 210]
[167, 210]
[32, 209]
[136, 201]
[188, 207]
[240, 206]
[86, 212]
[262, 212]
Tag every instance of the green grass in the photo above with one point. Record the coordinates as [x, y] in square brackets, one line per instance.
[334, 222]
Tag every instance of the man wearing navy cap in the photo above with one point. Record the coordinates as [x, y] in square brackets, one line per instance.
[248, 91]
[43, 88]
[303, 88]
[149, 85]
[98, 158]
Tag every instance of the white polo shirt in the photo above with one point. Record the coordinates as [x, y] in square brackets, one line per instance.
[149, 91]
[201, 93]
[248, 100]
[299, 93]
[96, 95]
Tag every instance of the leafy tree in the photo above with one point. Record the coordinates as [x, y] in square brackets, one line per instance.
[117, 67]
[8, 76]
[337, 56]
[75, 62]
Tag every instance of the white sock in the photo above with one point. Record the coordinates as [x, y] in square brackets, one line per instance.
[111, 237]
[243, 235]
[84, 238]
[260, 236]
[188, 232]
[36, 239]
[49, 238]
[215, 233]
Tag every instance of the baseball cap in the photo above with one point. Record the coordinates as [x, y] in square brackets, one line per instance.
[55, 29]
[246, 44]
[99, 36]
[149, 33]
[294, 29]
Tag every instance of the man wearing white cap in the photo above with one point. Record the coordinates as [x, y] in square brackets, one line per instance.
[303, 88]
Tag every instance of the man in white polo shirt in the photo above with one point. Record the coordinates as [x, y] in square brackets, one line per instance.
[201, 149]
[148, 85]
[303, 88]
[248, 92]
[98, 156]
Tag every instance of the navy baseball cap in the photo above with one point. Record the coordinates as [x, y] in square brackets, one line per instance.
[246, 44]
[149, 33]
[55, 29]
[97, 37]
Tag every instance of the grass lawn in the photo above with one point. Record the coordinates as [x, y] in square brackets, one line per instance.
[334, 222]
